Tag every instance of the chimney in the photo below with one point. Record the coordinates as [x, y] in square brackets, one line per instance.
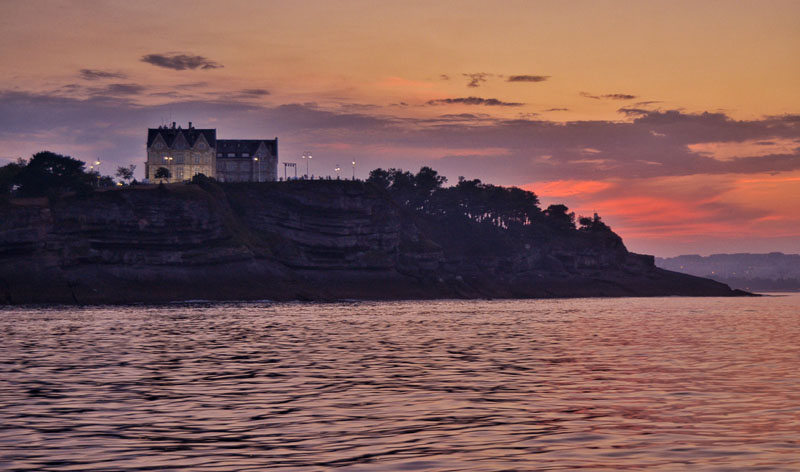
[173, 125]
[190, 125]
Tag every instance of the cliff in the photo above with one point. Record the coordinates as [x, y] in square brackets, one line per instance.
[306, 240]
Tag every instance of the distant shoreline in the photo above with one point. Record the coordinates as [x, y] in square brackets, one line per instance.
[309, 241]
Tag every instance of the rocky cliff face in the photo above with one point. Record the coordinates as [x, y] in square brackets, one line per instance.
[318, 240]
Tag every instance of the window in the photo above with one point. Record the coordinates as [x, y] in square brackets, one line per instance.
[219, 154]
[201, 145]
[245, 154]
[159, 145]
[231, 154]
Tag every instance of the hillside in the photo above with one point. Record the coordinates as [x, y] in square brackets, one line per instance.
[305, 240]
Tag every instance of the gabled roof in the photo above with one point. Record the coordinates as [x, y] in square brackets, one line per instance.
[250, 146]
[191, 134]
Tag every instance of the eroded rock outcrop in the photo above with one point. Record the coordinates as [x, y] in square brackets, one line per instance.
[310, 240]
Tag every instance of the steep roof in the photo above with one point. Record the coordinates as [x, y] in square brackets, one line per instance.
[250, 146]
[190, 134]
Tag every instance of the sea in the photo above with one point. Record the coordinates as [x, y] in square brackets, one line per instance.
[451, 385]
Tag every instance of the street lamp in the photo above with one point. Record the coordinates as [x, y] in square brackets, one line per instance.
[258, 165]
[337, 171]
[169, 166]
[97, 163]
[354, 169]
[307, 155]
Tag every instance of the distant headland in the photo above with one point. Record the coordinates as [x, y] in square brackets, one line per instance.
[772, 272]
[397, 235]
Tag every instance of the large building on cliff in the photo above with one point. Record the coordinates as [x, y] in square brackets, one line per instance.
[187, 152]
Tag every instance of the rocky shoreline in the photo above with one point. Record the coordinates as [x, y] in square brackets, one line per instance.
[299, 240]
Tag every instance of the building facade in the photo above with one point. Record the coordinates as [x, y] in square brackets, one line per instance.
[247, 160]
[184, 153]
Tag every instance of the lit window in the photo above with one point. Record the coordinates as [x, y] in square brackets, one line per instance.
[245, 154]
[231, 154]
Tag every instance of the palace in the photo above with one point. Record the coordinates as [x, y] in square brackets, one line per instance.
[187, 152]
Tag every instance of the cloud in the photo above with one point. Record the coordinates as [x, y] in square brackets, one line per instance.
[650, 144]
[94, 74]
[177, 61]
[657, 176]
[254, 92]
[557, 109]
[475, 80]
[527, 78]
[648, 102]
[492, 102]
[119, 89]
[444, 77]
[609, 96]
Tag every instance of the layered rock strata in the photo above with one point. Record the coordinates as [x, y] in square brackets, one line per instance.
[301, 240]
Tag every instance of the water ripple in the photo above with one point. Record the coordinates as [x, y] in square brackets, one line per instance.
[662, 384]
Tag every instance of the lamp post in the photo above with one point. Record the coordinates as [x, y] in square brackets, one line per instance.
[169, 166]
[97, 164]
[337, 171]
[258, 165]
[354, 169]
[307, 157]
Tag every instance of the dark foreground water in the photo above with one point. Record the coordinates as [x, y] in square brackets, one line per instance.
[668, 383]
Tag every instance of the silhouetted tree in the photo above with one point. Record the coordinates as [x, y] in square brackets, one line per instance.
[379, 178]
[162, 173]
[126, 173]
[428, 180]
[52, 174]
[9, 174]
[592, 224]
[558, 215]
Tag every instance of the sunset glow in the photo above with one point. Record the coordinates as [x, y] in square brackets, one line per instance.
[678, 122]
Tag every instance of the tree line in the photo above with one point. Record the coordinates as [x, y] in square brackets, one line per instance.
[48, 174]
[52, 175]
[509, 208]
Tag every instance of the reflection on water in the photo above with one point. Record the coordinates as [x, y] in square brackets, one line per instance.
[666, 383]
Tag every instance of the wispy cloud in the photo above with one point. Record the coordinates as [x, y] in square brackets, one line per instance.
[94, 74]
[119, 89]
[476, 79]
[255, 92]
[178, 61]
[527, 78]
[609, 96]
[491, 102]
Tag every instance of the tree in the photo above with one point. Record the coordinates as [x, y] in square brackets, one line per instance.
[592, 224]
[428, 180]
[52, 174]
[380, 178]
[9, 174]
[126, 173]
[162, 173]
[559, 216]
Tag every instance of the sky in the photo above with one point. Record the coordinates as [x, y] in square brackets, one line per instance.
[677, 121]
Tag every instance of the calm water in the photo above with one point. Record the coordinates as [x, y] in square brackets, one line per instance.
[669, 383]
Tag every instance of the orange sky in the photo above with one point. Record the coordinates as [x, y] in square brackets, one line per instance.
[675, 120]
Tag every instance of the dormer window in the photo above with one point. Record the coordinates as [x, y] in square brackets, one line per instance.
[159, 145]
[201, 145]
